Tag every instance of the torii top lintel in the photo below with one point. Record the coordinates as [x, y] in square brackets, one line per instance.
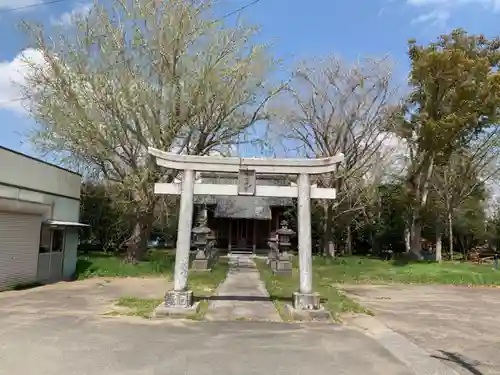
[235, 164]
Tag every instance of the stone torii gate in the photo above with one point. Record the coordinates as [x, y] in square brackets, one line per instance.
[180, 298]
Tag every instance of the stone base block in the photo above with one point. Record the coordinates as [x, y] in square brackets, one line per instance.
[164, 311]
[201, 265]
[177, 304]
[306, 301]
[283, 267]
[182, 299]
[319, 315]
[273, 264]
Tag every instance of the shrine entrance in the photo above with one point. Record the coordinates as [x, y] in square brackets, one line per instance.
[180, 298]
[244, 232]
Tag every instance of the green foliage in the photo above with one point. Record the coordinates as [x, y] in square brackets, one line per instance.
[106, 214]
[454, 101]
[456, 90]
[129, 75]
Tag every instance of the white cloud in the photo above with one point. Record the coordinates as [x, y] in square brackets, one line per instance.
[491, 4]
[435, 17]
[12, 75]
[437, 12]
[13, 4]
[67, 18]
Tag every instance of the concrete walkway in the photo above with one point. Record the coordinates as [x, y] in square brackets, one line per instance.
[242, 296]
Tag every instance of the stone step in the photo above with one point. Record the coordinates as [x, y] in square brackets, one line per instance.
[241, 252]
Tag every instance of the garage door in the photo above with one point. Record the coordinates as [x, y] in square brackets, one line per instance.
[19, 239]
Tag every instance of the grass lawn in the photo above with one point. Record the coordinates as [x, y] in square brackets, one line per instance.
[374, 271]
[99, 264]
[203, 284]
[327, 273]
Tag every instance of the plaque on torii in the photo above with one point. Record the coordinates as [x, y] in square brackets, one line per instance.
[247, 181]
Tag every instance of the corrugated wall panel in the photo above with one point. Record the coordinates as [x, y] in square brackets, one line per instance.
[19, 241]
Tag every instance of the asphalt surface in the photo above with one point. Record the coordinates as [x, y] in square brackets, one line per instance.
[42, 344]
[458, 325]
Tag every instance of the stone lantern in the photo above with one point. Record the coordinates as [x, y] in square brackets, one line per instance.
[202, 239]
[284, 237]
[284, 261]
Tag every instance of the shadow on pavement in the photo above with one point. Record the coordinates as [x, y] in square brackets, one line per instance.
[249, 298]
[466, 363]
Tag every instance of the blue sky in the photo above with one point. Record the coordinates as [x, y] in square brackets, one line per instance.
[296, 29]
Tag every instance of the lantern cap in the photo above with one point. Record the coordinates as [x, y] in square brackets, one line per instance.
[202, 227]
[284, 230]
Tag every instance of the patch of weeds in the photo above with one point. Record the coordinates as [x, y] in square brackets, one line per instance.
[203, 285]
[100, 264]
[281, 289]
[142, 307]
[200, 312]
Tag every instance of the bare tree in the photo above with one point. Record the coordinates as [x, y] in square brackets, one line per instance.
[339, 108]
[465, 172]
[142, 73]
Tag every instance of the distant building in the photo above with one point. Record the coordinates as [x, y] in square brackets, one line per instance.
[39, 212]
[243, 223]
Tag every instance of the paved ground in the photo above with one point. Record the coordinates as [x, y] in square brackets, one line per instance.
[57, 329]
[69, 344]
[242, 295]
[460, 325]
[61, 329]
[86, 297]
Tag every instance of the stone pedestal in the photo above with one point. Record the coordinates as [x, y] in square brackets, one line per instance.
[306, 301]
[201, 262]
[283, 265]
[273, 259]
[177, 303]
[201, 265]
[307, 307]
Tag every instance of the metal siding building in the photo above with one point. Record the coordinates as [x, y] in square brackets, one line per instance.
[39, 212]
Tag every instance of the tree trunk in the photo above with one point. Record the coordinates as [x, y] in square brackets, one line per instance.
[138, 241]
[416, 236]
[407, 238]
[420, 188]
[328, 244]
[348, 241]
[450, 233]
[374, 243]
[331, 248]
[439, 244]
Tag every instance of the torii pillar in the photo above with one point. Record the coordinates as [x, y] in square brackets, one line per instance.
[180, 299]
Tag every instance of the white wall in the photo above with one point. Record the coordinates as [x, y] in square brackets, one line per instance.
[56, 197]
[58, 208]
[20, 170]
